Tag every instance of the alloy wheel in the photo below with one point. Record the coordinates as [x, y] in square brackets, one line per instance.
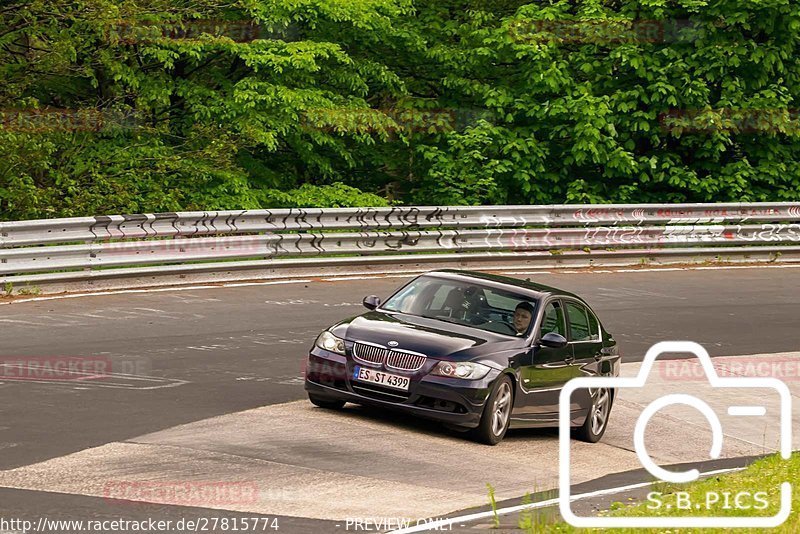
[501, 409]
[600, 408]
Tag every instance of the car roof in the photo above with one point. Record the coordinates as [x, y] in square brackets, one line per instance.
[529, 288]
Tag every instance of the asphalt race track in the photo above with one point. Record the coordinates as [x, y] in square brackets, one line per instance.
[204, 386]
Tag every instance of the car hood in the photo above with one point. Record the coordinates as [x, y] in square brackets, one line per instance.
[434, 338]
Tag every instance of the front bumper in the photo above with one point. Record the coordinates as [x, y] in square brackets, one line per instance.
[448, 400]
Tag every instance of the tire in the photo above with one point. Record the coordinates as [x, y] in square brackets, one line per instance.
[496, 414]
[328, 404]
[596, 421]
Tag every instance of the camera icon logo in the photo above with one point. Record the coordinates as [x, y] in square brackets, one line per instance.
[715, 381]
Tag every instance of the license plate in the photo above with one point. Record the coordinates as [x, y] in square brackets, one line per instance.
[379, 377]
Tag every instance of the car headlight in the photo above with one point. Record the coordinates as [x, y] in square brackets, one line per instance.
[464, 370]
[328, 341]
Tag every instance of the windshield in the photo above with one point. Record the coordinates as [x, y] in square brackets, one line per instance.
[465, 303]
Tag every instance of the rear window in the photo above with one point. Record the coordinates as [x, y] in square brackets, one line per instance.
[582, 323]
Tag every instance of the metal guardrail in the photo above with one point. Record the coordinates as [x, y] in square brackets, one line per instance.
[92, 248]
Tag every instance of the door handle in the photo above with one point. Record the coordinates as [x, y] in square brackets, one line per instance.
[605, 351]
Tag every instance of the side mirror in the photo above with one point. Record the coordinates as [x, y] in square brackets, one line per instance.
[553, 340]
[371, 302]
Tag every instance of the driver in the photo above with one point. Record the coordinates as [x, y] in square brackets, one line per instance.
[523, 314]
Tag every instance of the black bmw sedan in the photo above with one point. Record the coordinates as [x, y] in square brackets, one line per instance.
[475, 351]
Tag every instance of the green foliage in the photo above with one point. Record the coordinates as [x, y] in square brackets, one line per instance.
[493, 504]
[582, 95]
[763, 476]
[271, 103]
[336, 195]
[184, 112]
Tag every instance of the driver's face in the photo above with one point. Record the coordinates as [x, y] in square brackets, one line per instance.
[522, 319]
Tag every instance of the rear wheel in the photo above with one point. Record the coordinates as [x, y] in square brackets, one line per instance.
[328, 404]
[496, 413]
[596, 421]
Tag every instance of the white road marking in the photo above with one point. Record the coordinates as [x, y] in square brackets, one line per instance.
[92, 315]
[152, 290]
[529, 272]
[291, 302]
[211, 449]
[650, 270]
[267, 283]
[107, 385]
[405, 274]
[346, 277]
[94, 380]
[632, 292]
[444, 524]
[17, 321]
[712, 268]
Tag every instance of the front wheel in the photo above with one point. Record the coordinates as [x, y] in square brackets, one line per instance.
[596, 421]
[328, 404]
[496, 414]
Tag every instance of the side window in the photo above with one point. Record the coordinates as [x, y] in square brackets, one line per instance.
[594, 326]
[582, 323]
[553, 320]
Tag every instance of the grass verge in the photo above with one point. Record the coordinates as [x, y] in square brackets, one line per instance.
[757, 488]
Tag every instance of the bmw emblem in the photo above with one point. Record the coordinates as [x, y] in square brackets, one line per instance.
[393, 343]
